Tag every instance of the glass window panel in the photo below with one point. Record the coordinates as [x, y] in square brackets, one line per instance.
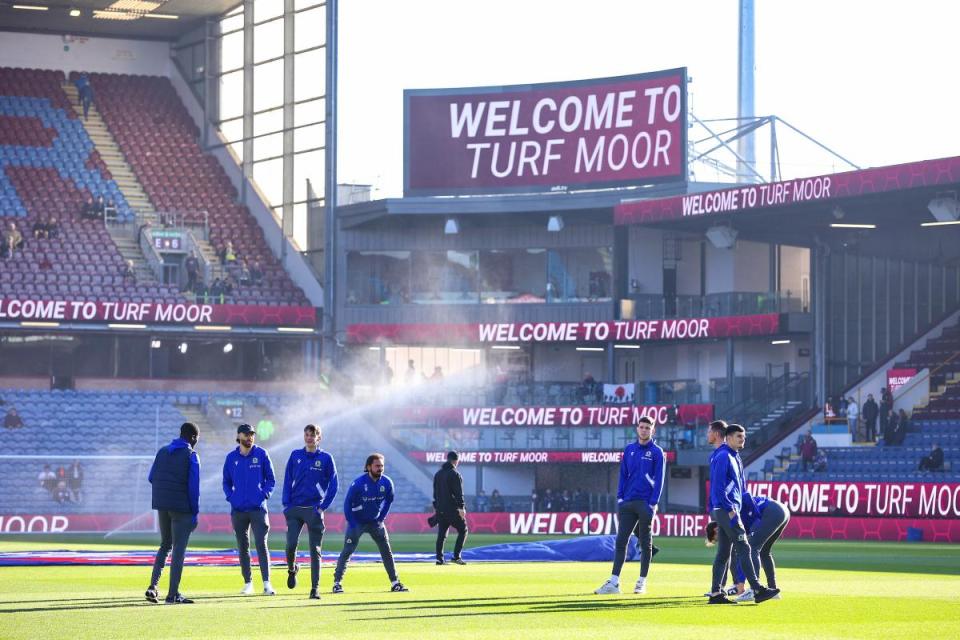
[513, 275]
[579, 275]
[309, 28]
[269, 177]
[268, 146]
[231, 95]
[444, 277]
[268, 122]
[307, 166]
[378, 277]
[268, 85]
[300, 225]
[231, 51]
[309, 72]
[266, 9]
[268, 41]
[309, 112]
[304, 4]
[235, 21]
[233, 131]
[308, 137]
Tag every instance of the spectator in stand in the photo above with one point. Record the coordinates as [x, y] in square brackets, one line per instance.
[48, 479]
[482, 502]
[100, 207]
[39, 230]
[227, 287]
[13, 240]
[88, 211]
[547, 501]
[886, 406]
[934, 461]
[12, 420]
[75, 479]
[673, 411]
[410, 376]
[496, 501]
[265, 429]
[216, 292]
[890, 426]
[588, 387]
[580, 501]
[387, 374]
[563, 502]
[437, 374]
[128, 272]
[110, 210]
[192, 265]
[200, 292]
[820, 462]
[61, 494]
[870, 413]
[228, 255]
[243, 273]
[534, 500]
[808, 452]
[853, 415]
[84, 93]
[53, 229]
[904, 422]
[828, 413]
[256, 273]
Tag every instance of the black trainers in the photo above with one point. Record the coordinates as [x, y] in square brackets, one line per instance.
[732, 591]
[720, 599]
[314, 595]
[292, 576]
[398, 588]
[152, 595]
[336, 588]
[440, 561]
[458, 561]
[178, 599]
[764, 593]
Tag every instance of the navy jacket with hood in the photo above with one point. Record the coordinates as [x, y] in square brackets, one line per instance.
[175, 476]
[726, 480]
[248, 480]
[642, 470]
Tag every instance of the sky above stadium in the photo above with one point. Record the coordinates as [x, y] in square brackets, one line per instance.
[875, 81]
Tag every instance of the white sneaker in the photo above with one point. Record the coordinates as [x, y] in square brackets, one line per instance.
[268, 589]
[608, 588]
[247, 589]
[746, 596]
[776, 597]
[641, 586]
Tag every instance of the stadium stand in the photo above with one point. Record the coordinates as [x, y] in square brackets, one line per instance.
[159, 141]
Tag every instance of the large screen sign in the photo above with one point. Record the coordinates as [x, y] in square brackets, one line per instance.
[590, 133]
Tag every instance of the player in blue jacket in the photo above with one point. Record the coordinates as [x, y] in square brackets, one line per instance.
[365, 508]
[309, 487]
[727, 489]
[642, 471]
[248, 481]
[765, 519]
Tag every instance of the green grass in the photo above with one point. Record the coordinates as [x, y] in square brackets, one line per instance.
[831, 590]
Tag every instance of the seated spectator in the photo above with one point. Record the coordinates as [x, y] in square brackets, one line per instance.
[482, 502]
[128, 272]
[256, 273]
[39, 230]
[48, 479]
[216, 292]
[61, 494]
[496, 501]
[12, 419]
[808, 452]
[820, 462]
[53, 229]
[934, 461]
[243, 273]
[89, 209]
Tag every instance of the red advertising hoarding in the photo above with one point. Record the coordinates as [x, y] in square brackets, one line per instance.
[125, 312]
[896, 378]
[870, 499]
[744, 198]
[527, 523]
[625, 331]
[589, 133]
[586, 416]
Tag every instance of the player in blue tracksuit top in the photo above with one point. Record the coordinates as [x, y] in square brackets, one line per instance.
[309, 487]
[248, 481]
[727, 489]
[765, 519]
[365, 508]
[642, 470]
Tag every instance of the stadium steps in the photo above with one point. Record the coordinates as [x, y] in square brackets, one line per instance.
[210, 436]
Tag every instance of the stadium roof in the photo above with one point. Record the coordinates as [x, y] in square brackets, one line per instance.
[138, 19]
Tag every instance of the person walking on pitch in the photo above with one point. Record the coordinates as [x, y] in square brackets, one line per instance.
[175, 485]
[449, 506]
[248, 481]
[309, 487]
[642, 470]
[365, 508]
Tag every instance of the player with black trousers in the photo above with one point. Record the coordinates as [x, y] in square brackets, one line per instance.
[448, 503]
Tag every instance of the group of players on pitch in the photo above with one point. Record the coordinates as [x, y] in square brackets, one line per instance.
[740, 523]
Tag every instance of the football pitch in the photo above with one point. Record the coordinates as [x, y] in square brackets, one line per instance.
[830, 590]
